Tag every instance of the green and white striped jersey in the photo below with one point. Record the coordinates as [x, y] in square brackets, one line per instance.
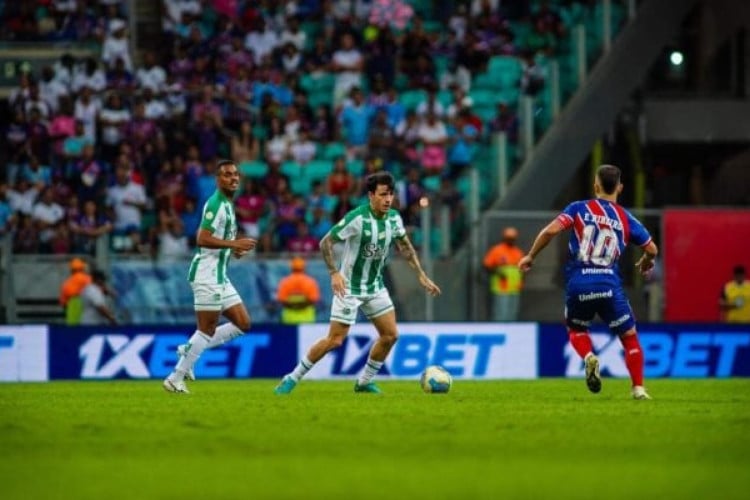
[367, 242]
[209, 265]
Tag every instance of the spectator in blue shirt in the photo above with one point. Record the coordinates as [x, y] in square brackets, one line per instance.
[355, 122]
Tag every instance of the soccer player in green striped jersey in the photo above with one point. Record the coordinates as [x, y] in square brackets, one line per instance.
[213, 292]
[367, 233]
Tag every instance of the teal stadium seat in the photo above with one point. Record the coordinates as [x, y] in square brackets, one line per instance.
[332, 150]
[485, 81]
[254, 169]
[483, 97]
[506, 69]
[300, 185]
[410, 99]
[356, 167]
[291, 169]
[318, 170]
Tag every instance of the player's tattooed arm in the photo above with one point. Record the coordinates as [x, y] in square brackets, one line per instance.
[326, 248]
[409, 253]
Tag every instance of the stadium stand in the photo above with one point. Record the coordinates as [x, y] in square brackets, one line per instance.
[162, 97]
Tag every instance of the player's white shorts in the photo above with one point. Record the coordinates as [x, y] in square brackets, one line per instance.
[214, 297]
[345, 310]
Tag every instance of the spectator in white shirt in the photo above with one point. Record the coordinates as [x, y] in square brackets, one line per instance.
[127, 200]
[303, 149]
[173, 243]
[174, 9]
[116, 45]
[89, 76]
[292, 34]
[151, 75]
[156, 109]
[51, 89]
[87, 111]
[348, 63]
[94, 307]
[22, 198]
[35, 101]
[112, 119]
[46, 215]
[262, 40]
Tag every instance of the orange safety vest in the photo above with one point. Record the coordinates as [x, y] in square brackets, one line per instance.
[298, 288]
[503, 259]
[73, 286]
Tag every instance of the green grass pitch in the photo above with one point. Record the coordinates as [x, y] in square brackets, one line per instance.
[495, 440]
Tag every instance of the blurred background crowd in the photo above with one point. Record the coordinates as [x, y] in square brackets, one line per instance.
[307, 96]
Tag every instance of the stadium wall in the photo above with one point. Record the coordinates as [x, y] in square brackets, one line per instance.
[467, 350]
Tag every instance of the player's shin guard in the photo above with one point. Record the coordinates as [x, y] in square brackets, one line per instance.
[581, 342]
[633, 358]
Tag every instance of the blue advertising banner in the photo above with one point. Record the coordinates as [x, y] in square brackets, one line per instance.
[670, 350]
[467, 350]
[149, 352]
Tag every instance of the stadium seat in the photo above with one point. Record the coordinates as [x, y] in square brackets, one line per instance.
[410, 99]
[445, 97]
[485, 81]
[431, 183]
[300, 185]
[356, 167]
[291, 169]
[506, 69]
[487, 113]
[253, 168]
[332, 150]
[483, 97]
[318, 170]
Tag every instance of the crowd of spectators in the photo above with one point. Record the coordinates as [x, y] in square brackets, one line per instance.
[125, 144]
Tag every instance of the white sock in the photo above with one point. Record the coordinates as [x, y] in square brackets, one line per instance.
[195, 347]
[224, 334]
[372, 368]
[302, 367]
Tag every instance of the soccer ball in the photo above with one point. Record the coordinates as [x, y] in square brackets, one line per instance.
[436, 379]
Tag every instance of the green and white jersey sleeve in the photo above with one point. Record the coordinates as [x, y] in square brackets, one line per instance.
[367, 242]
[209, 265]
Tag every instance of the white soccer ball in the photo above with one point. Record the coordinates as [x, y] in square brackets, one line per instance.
[436, 380]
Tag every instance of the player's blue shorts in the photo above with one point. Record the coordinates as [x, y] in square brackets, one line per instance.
[607, 300]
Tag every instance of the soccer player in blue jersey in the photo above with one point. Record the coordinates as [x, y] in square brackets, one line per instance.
[601, 231]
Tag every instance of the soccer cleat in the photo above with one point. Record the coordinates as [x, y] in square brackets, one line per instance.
[593, 380]
[176, 387]
[639, 392]
[181, 351]
[369, 387]
[286, 385]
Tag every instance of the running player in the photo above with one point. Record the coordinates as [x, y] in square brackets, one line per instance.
[601, 231]
[212, 290]
[367, 233]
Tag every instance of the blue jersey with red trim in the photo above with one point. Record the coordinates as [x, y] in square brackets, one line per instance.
[601, 231]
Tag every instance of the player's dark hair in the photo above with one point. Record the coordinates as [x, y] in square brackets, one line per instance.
[739, 269]
[609, 178]
[223, 163]
[380, 179]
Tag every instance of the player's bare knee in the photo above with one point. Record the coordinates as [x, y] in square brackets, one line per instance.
[335, 342]
[244, 324]
[389, 338]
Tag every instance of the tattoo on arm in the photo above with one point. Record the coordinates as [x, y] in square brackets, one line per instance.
[408, 252]
[326, 248]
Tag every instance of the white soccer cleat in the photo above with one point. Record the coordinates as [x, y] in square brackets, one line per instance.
[593, 379]
[176, 387]
[639, 392]
[181, 351]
